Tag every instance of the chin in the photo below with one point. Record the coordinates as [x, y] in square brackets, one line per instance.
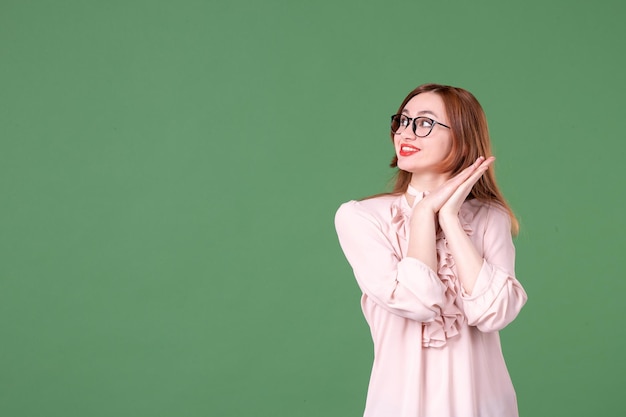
[403, 165]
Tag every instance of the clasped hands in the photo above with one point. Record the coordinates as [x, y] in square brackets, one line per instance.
[445, 201]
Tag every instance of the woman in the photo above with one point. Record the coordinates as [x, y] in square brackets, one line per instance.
[435, 262]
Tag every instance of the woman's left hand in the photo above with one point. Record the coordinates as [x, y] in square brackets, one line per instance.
[450, 209]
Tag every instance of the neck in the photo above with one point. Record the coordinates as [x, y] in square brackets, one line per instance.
[428, 182]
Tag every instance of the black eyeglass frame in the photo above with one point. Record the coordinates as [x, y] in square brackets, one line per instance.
[413, 121]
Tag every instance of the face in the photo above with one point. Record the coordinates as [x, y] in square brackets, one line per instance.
[422, 155]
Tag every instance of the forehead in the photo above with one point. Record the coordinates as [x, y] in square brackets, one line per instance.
[425, 103]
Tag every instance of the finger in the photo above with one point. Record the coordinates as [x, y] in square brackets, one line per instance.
[464, 188]
[484, 163]
[481, 166]
[477, 174]
[487, 162]
[462, 176]
[460, 183]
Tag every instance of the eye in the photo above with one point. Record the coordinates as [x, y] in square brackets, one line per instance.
[424, 122]
[398, 122]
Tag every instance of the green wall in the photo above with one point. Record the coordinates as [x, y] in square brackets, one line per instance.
[169, 173]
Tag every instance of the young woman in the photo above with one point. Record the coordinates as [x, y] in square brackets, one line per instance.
[435, 262]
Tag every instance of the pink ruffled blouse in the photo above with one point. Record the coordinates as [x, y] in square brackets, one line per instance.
[436, 348]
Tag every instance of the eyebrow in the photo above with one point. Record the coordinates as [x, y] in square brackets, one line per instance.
[420, 113]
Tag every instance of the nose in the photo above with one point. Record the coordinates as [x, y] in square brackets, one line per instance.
[408, 133]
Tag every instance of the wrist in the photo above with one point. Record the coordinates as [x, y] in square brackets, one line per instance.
[422, 216]
[422, 213]
[447, 220]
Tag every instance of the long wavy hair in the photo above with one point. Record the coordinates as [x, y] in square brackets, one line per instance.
[470, 139]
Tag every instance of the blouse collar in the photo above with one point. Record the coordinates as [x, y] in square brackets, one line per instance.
[413, 191]
[416, 194]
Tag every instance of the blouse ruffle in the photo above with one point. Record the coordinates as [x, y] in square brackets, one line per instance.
[448, 323]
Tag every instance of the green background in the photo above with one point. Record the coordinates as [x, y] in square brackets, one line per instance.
[169, 173]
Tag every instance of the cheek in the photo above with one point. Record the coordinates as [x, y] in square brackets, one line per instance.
[447, 146]
[396, 144]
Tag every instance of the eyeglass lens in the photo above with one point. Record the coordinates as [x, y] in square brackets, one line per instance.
[422, 125]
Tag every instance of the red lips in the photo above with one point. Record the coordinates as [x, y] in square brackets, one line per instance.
[408, 150]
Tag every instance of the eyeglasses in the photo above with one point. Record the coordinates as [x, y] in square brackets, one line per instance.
[422, 126]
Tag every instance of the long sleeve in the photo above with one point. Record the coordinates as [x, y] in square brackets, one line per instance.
[498, 296]
[403, 286]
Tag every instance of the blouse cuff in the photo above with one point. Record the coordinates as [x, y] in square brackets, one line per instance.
[411, 262]
[488, 285]
[421, 280]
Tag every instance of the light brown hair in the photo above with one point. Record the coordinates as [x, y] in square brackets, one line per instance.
[470, 139]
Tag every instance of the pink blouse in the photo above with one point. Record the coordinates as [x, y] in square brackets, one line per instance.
[436, 349]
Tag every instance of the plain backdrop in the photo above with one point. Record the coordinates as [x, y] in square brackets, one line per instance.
[169, 174]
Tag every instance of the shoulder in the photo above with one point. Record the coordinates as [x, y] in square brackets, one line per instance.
[376, 210]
